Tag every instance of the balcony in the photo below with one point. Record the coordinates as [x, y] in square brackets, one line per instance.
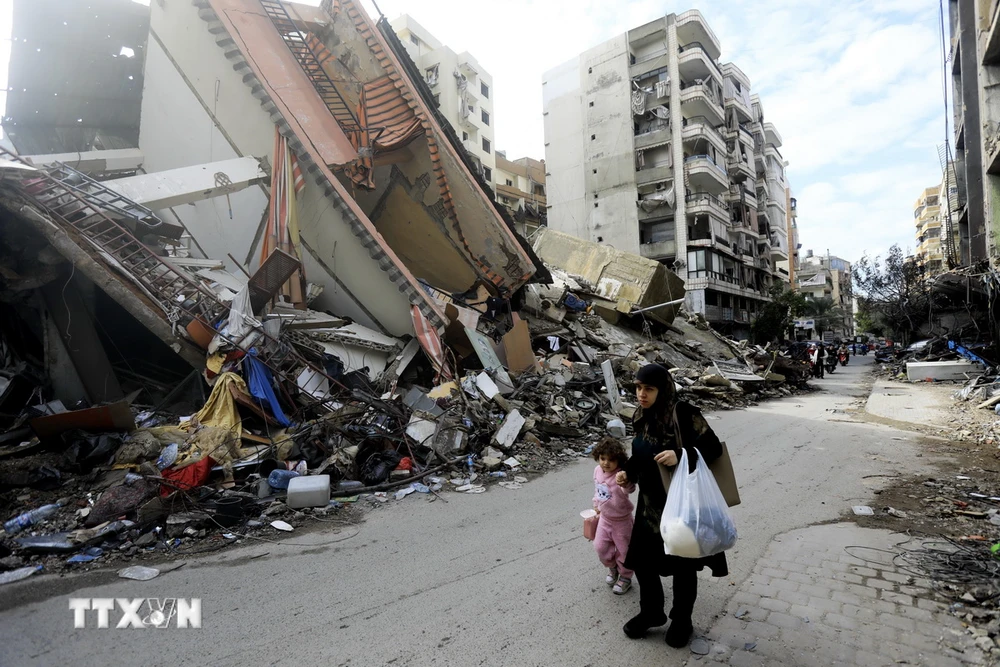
[654, 174]
[658, 251]
[649, 62]
[692, 27]
[653, 138]
[700, 127]
[733, 196]
[731, 71]
[704, 203]
[706, 176]
[739, 168]
[694, 62]
[771, 135]
[701, 100]
[738, 105]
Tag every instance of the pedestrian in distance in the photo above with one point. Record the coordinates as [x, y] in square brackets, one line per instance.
[820, 360]
[614, 512]
[663, 426]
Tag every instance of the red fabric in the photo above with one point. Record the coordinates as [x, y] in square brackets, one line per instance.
[430, 341]
[406, 463]
[188, 477]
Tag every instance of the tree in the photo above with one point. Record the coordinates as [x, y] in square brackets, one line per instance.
[826, 314]
[892, 294]
[775, 318]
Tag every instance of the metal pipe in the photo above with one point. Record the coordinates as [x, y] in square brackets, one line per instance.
[661, 305]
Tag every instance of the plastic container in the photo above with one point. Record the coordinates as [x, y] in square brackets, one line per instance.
[498, 473]
[32, 518]
[309, 491]
[590, 519]
[278, 479]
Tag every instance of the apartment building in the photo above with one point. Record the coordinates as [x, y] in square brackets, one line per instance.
[975, 68]
[653, 147]
[520, 188]
[462, 89]
[790, 266]
[828, 276]
[929, 253]
[949, 210]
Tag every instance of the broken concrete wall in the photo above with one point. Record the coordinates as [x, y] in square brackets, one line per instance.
[234, 124]
[628, 281]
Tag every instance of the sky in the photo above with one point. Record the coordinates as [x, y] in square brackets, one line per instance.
[854, 87]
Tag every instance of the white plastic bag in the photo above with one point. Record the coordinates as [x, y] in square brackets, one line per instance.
[695, 521]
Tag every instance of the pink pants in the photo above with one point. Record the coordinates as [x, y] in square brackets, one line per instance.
[611, 543]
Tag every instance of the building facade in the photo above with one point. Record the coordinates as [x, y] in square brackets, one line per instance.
[929, 253]
[462, 89]
[520, 188]
[655, 148]
[828, 276]
[975, 69]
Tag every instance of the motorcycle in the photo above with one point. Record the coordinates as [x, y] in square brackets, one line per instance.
[831, 363]
[843, 357]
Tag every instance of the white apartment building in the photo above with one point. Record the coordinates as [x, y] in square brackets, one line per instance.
[462, 89]
[685, 183]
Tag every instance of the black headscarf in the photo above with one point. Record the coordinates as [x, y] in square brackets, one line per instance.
[661, 416]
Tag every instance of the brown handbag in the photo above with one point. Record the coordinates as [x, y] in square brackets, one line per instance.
[722, 470]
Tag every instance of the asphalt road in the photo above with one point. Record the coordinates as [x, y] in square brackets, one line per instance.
[501, 578]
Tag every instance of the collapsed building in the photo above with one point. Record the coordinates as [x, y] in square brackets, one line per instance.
[278, 258]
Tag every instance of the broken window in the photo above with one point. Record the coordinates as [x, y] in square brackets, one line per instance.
[465, 136]
[437, 100]
[488, 174]
[431, 75]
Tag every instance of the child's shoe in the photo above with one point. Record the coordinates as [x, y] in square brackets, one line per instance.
[622, 586]
[612, 576]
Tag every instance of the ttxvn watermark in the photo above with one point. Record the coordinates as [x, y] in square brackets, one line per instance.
[136, 612]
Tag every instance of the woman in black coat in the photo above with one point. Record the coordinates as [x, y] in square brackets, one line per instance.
[663, 425]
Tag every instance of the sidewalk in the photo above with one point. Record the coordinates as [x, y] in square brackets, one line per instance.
[810, 602]
[924, 403]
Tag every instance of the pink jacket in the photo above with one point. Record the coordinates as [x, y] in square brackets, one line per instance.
[609, 498]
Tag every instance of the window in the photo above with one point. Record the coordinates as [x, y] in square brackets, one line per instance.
[510, 183]
[465, 136]
[593, 137]
[437, 100]
[488, 174]
[486, 145]
[486, 116]
[591, 104]
[595, 171]
[414, 39]
[600, 239]
[484, 89]
[431, 75]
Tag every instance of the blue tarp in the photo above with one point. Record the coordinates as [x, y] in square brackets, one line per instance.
[259, 383]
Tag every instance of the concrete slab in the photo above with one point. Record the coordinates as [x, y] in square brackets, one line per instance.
[925, 404]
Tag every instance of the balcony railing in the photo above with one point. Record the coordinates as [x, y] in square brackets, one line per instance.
[706, 124]
[697, 46]
[709, 159]
[705, 198]
[650, 56]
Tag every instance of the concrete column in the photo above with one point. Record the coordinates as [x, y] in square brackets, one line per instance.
[969, 59]
[677, 146]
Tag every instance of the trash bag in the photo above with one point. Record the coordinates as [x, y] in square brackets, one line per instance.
[695, 521]
[377, 467]
[87, 450]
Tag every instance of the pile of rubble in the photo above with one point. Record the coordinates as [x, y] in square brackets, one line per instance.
[289, 411]
[935, 359]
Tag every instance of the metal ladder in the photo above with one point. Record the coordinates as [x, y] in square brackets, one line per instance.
[102, 216]
[309, 61]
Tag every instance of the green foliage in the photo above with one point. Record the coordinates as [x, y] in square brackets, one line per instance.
[826, 314]
[891, 294]
[775, 318]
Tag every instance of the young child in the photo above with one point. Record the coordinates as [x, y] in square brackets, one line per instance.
[614, 509]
